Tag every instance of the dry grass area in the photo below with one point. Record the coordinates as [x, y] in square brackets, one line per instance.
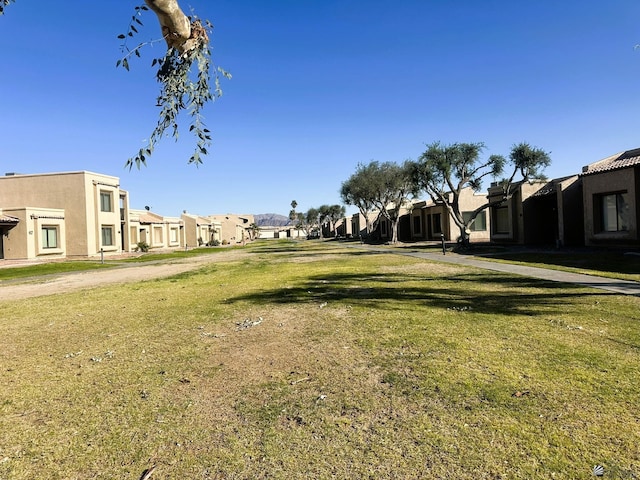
[310, 360]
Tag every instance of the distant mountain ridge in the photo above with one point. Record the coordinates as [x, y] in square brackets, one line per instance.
[271, 220]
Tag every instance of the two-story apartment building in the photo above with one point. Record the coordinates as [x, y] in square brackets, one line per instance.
[69, 214]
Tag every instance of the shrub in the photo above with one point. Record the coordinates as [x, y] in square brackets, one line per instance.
[142, 246]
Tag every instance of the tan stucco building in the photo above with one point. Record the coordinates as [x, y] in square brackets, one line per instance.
[538, 212]
[429, 220]
[233, 228]
[70, 214]
[611, 193]
[200, 231]
[155, 230]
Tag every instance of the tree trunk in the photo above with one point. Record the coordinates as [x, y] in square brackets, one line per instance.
[176, 27]
[394, 230]
[464, 237]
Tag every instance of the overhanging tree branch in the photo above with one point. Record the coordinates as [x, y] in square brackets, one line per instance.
[189, 80]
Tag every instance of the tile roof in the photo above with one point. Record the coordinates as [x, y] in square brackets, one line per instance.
[150, 217]
[8, 219]
[630, 158]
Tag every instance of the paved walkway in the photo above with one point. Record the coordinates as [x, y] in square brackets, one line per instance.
[625, 287]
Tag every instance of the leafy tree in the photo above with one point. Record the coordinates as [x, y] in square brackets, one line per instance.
[184, 73]
[330, 214]
[293, 215]
[254, 231]
[357, 191]
[443, 171]
[302, 221]
[389, 188]
[311, 221]
[4, 3]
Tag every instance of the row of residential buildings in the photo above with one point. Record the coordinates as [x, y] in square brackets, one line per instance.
[598, 207]
[84, 214]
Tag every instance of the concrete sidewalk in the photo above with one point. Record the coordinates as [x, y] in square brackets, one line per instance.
[624, 287]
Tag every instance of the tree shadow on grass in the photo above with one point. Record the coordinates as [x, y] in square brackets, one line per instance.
[481, 292]
[313, 253]
[613, 262]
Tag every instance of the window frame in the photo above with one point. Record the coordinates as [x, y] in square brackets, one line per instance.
[474, 227]
[111, 230]
[496, 220]
[108, 196]
[417, 225]
[45, 238]
[616, 211]
[436, 223]
[157, 234]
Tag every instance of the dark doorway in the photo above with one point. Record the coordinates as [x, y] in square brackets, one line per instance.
[541, 220]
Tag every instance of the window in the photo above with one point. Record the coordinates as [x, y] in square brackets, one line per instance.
[107, 236]
[49, 237]
[157, 235]
[383, 227]
[105, 202]
[174, 235]
[480, 223]
[501, 219]
[614, 212]
[437, 223]
[417, 225]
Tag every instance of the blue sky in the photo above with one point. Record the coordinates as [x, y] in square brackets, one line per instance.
[318, 87]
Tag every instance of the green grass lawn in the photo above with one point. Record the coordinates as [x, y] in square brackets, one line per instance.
[177, 254]
[53, 268]
[604, 264]
[61, 267]
[311, 360]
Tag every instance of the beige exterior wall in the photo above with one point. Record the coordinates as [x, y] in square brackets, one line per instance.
[173, 232]
[384, 226]
[511, 229]
[216, 231]
[232, 227]
[429, 220]
[617, 181]
[359, 224]
[539, 212]
[343, 227]
[26, 241]
[199, 230]
[157, 231]
[78, 194]
[273, 232]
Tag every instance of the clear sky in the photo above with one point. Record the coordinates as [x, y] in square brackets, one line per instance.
[318, 87]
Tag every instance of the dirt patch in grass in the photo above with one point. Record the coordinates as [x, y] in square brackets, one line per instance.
[69, 282]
